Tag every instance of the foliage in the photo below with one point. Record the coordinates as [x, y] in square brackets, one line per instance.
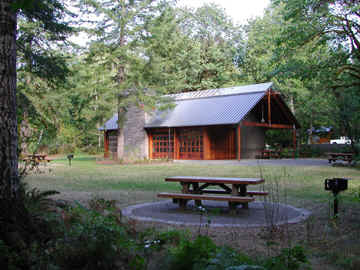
[36, 201]
[279, 138]
[330, 25]
[191, 254]
[334, 22]
[202, 253]
[227, 258]
[289, 258]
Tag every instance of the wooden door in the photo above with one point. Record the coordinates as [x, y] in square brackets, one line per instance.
[162, 145]
[190, 141]
[222, 142]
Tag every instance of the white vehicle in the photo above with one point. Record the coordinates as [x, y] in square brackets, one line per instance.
[342, 140]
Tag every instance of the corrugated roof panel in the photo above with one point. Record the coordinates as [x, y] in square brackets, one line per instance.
[207, 107]
[111, 124]
[207, 111]
[223, 91]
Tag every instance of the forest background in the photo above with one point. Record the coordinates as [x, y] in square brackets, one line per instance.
[140, 50]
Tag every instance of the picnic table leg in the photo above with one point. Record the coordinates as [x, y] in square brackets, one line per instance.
[185, 187]
[243, 192]
[196, 191]
[232, 207]
[182, 203]
[234, 192]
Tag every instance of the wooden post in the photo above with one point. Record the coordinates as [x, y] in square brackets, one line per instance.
[169, 134]
[238, 142]
[150, 140]
[294, 140]
[106, 144]
[206, 144]
[269, 107]
[176, 145]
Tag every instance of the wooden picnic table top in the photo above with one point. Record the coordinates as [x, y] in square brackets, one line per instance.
[215, 180]
[36, 155]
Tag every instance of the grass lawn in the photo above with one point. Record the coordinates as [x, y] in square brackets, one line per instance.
[333, 243]
[87, 175]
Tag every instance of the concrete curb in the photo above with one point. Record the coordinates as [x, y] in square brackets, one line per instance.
[303, 214]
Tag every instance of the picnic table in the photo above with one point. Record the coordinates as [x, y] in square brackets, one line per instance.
[36, 158]
[269, 153]
[230, 189]
[340, 156]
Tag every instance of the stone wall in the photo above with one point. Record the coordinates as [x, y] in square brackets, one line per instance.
[135, 141]
[252, 139]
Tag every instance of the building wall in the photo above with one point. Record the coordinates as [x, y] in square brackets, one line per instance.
[252, 139]
[134, 143]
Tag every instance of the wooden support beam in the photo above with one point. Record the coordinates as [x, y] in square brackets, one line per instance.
[294, 139]
[206, 144]
[176, 145]
[269, 107]
[238, 142]
[150, 140]
[256, 124]
[106, 145]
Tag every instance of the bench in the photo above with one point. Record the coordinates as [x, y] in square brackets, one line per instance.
[183, 198]
[249, 192]
[257, 193]
[340, 156]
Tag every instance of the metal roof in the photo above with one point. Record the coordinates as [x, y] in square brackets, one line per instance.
[111, 124]
[221, 110]
[221, 106]
[246, 89]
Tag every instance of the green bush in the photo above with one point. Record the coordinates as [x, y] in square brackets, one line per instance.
[203, 254]
[190, 254]
[289, 258]
[92, 239]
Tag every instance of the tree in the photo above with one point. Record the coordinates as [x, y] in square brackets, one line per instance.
[334, 21]
[41, 66]
[17, 226]
[9, 177]
[119, 39]
[334, 24]
[219, 42]
[305, 75]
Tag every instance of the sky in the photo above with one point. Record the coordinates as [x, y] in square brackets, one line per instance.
[239, 10]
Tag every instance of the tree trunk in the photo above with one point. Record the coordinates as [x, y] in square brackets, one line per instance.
[9, 177]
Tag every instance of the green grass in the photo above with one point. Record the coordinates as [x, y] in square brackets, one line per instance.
[86, 175]
[299, 186]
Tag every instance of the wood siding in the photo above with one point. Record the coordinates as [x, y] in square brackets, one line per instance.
[195, 143]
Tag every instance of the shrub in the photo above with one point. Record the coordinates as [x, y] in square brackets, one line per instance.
[289, 258]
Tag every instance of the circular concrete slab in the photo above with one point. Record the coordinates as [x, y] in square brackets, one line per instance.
[259, 214]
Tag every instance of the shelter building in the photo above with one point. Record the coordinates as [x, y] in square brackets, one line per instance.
[225, 123]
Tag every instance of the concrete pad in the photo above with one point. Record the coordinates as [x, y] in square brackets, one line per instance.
[259, 214]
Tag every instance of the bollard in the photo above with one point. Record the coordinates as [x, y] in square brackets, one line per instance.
[336, 185]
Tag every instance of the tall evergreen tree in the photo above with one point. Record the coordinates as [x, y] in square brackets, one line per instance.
[119, 38]
[9, 178]
[14, 217]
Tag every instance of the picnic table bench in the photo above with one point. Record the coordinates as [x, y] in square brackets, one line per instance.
[340, 156]
[230, 189]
